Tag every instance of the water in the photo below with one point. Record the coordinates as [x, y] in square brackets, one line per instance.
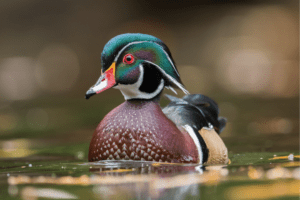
[51, 163]
[55, 177]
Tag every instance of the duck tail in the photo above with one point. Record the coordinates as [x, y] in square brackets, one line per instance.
[196, 110]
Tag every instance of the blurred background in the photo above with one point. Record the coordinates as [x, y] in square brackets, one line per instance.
[243, 54]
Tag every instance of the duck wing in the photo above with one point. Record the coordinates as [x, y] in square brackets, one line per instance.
[196, 110]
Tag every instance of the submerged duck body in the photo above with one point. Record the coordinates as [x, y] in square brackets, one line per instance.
[141, 66]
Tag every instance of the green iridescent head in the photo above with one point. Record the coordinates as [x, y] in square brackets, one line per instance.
[139, 65]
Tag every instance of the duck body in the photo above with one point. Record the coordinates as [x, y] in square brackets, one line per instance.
[139, 130]
[141, 66]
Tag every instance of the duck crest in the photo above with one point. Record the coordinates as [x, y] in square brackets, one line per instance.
[114, 46]
[141, 66]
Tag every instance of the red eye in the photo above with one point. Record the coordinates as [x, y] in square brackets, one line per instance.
[128, 59]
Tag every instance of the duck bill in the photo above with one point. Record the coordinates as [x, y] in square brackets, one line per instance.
[106, 81]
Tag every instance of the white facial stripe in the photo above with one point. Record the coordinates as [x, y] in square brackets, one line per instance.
[169, 77]
[138, 42]
[127, 45]
[196, 141]
[131, 91]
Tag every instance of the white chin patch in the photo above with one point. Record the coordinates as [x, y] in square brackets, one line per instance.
[131, 91]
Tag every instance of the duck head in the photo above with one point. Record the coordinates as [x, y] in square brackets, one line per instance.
[139, 65]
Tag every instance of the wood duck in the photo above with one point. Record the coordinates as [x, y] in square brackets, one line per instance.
[141, 66]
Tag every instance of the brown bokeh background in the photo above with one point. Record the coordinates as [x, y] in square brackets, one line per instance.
[243, 54]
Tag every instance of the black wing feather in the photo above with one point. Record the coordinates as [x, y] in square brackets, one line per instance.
[196, 110]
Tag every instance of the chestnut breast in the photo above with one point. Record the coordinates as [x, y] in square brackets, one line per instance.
[138, 130]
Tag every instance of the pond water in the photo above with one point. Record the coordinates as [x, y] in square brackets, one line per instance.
[51, 162]
[248, 176]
